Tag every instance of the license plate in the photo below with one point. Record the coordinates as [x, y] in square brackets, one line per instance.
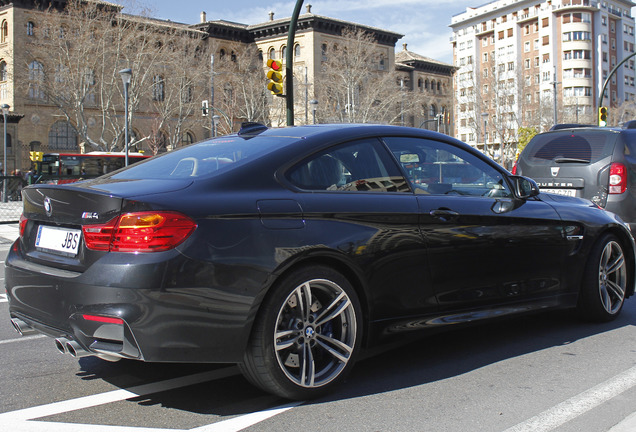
[65, 241]
[566, 192]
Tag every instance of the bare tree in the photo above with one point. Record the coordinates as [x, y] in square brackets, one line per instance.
[75, 67]
[353, 87]
[240, 86]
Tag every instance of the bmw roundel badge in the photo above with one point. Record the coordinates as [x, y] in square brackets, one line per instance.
[47, 206]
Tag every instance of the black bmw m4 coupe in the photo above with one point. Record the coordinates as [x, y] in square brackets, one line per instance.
[290, 251]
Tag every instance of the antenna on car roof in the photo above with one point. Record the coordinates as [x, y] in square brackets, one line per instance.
[251, 128]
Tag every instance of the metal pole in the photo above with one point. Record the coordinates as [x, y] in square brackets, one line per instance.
[211, 107]
[4, 162]
[555, 95]
[127, 136]
[306, 97]
[289, 58]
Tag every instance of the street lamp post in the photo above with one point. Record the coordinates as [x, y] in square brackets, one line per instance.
[314, 106]
[485, 117]
[5, 111]
[126, 75]
[215, 124]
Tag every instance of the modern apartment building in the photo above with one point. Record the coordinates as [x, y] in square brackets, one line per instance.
[531, 63]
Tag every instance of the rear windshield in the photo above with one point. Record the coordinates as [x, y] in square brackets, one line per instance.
[583, 147]
[203, 159]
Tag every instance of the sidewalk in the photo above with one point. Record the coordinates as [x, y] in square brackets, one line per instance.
[8, 233]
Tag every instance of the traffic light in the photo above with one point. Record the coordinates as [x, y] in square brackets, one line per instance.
[602, 116]
[205, 108]
[275, 77]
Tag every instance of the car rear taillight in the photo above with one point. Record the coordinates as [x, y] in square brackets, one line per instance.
[140, 232]
[22, 224]
[617, 178]
[103, 319]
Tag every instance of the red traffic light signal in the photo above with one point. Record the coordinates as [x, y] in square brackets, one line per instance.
[275, 77]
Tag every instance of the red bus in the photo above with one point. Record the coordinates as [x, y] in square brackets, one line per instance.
[60, 168]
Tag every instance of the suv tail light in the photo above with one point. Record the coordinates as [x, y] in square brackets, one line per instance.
[617, 178]
[22, 224]
[140, 232]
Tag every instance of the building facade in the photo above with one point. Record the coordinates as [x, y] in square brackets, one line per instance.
[531, 63]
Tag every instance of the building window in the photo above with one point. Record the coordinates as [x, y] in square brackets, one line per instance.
[381, 65]
[36, 80]
[187, 139]
[297, 50]
[63, 136]
[158, 88]
[545, 22]
[283, 53]
[30, 28]
[323, 50]
[4, 31]
[546, 40]
[271, 54]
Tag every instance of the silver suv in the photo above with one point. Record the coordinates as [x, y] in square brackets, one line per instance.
[587, 162]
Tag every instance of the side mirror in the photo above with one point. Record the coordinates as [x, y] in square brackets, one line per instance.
[524, 187]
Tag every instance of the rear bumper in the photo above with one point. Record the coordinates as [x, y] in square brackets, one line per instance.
[166, 316]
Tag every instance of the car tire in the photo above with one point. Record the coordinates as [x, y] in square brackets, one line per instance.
[604, 281]
[300, 352]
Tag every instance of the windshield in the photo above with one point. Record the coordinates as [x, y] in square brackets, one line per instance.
[202, 159]
[570, 147]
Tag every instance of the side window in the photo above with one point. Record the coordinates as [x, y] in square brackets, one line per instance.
[359, 166]
[438, 168]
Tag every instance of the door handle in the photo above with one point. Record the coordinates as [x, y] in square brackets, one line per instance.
[443, 214]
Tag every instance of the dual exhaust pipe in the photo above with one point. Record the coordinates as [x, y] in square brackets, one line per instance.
[71, 347]
[63, 345]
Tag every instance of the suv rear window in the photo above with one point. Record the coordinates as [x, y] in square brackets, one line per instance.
[584, 146]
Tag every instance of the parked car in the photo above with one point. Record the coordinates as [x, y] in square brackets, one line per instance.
[587, 162]
[290, 251]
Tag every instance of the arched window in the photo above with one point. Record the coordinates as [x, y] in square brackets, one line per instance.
[30, 28]
[433, 111]
[323, 50]
[420, 83]
[158, 88]
[4, 74]
[221, 54]
[4, 31]
[433, 85]
[271, 54]
[426, 84]
[36, 79]
[439, 86]
[283, 53]
[233, 56]
[187, 139]
[260, 55]
[381, 65]
[297, 50]
[63, 136]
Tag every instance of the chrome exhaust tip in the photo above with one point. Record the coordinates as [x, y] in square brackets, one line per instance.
[21, 327]
[76, 350]
[60, 344]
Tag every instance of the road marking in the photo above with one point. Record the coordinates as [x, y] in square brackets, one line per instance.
[3, 298]
[235, 424]
[22, 420]
[22, 339]
[579, 404]
[116, 395]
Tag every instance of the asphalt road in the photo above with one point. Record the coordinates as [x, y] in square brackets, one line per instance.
[538, 373]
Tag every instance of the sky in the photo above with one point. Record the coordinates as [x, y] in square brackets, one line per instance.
[425, 23]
